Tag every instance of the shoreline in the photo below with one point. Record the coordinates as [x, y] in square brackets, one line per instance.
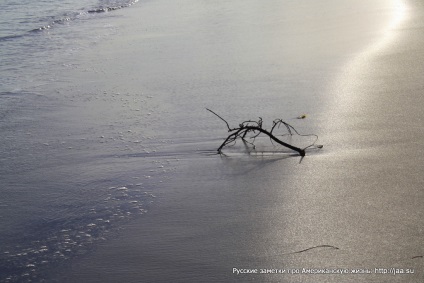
[214, 214]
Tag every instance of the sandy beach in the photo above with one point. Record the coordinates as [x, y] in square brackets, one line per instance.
[353, 208]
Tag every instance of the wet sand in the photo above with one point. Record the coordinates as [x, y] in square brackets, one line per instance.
[354, 205]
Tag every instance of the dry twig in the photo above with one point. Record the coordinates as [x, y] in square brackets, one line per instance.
[252, 129]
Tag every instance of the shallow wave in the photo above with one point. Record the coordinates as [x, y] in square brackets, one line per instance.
[72, 16]
[10, 37]
[53, 242]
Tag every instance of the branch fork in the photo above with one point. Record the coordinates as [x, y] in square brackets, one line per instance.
[253, 129]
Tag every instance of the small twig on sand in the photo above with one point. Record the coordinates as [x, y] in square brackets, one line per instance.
[253, 129]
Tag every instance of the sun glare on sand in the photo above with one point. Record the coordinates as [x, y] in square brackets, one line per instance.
[399, 9]
[346, 86]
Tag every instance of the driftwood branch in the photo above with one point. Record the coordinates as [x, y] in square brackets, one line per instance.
[254, 128]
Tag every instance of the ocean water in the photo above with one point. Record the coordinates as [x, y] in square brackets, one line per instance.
[32, 32]
[103, 120]
[54, 207]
